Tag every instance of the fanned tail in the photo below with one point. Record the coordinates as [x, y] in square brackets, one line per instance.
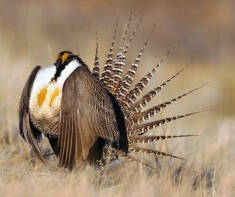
[143, 82]
[149, 113]
[118, 79]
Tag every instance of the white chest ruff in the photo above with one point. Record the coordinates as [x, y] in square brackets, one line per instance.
[45, 98]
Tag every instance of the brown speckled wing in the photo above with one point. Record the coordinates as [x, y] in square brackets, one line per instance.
[86, 114]
[27, 130]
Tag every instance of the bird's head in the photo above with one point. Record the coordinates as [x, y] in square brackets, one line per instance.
[65, 57]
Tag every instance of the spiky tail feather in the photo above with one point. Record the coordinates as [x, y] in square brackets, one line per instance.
[108, 67]
[154, 138]
[96, 68]
[152, 152]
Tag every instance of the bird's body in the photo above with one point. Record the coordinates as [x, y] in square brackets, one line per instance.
[71, 108]
[84, 113]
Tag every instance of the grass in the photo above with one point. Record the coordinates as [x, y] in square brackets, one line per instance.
[206, 172]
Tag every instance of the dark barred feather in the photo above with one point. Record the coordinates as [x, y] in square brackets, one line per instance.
[126, 83]
[108, 66]
[121, 60]
[145, 127]
[154, 138]
[149, 113]
[152, 152]
[96, 68]
[141, 103]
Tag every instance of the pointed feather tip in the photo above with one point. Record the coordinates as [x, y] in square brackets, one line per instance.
[154, 152]
[96, 38]
[146, 139]
[116, 24]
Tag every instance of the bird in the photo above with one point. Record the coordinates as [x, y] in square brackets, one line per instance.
[85, 112]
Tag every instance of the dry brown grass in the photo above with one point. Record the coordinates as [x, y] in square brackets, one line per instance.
[209, 166]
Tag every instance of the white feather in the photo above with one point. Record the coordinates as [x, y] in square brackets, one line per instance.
[67, 71]
[42, 80]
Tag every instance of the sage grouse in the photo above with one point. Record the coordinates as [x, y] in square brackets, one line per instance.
[83, 112]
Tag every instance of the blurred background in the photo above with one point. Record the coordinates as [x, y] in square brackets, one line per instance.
[33, 32]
